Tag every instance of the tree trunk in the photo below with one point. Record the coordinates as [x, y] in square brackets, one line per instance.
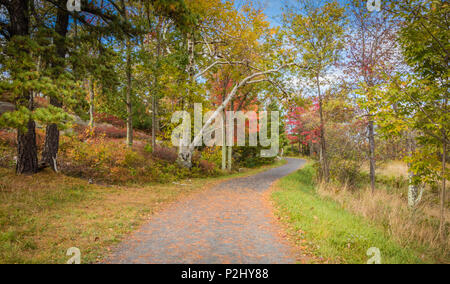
[224, 143]
[128, 97]
[153, 122]
[154, 114]
[372, 154]
[323, 147]
[230, 158]
[230, 139]
[156, 91]
[185, 152]
[27, 162]
[442, 230]
[51, 146]
[128, 102]
[91, 103]
[311, 148]
[414, 192]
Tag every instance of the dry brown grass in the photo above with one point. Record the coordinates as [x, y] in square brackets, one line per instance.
[393, 168]
[43, 215]
[390, 168]
[418, 229]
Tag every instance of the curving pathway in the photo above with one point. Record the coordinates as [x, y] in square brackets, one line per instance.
[230, 223]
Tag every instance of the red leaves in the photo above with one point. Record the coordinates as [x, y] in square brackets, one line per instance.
[301, 126]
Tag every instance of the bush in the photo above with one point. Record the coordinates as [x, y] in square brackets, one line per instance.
[100, 159]
[165, 154]
[110, 119]
[85, 132]
[110, 132]
[207, 167]
[212, 155]
[250, 157]
[392, 182]
[346, 172]
[8, 138]
[109, 161]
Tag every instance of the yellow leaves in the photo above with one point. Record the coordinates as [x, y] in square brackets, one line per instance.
[274, 31]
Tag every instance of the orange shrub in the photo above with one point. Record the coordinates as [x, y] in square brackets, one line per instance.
[207, 167]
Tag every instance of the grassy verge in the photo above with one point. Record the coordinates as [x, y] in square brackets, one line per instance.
[333, 234]
[41, 216]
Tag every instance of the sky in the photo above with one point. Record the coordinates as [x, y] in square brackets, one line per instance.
[274, 8]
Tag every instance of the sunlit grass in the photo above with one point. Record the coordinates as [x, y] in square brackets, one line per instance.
[336, 234]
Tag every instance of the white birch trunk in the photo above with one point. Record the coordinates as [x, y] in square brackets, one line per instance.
[185, 154]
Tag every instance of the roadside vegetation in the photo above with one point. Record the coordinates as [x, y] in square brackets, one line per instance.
[333, 233]
[388, 208]
[378, 133]
[42, 216]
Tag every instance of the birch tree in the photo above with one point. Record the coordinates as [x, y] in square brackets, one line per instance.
[241, 39]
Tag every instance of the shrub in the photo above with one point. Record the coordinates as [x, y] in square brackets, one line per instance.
[85, 132]
[392, 182]
[207, 167]
[110, 119]
[110, 132]
[346, 172]
[250, 157]
[133, 159]
[97, 159]
[111, 161]
[212, 155]
[8, 138]
[165, 154]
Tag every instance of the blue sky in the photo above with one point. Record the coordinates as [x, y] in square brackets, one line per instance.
[273, 8]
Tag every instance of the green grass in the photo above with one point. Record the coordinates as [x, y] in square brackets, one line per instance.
[335, 234]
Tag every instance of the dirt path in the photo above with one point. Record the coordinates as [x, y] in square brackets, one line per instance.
[228, 224]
